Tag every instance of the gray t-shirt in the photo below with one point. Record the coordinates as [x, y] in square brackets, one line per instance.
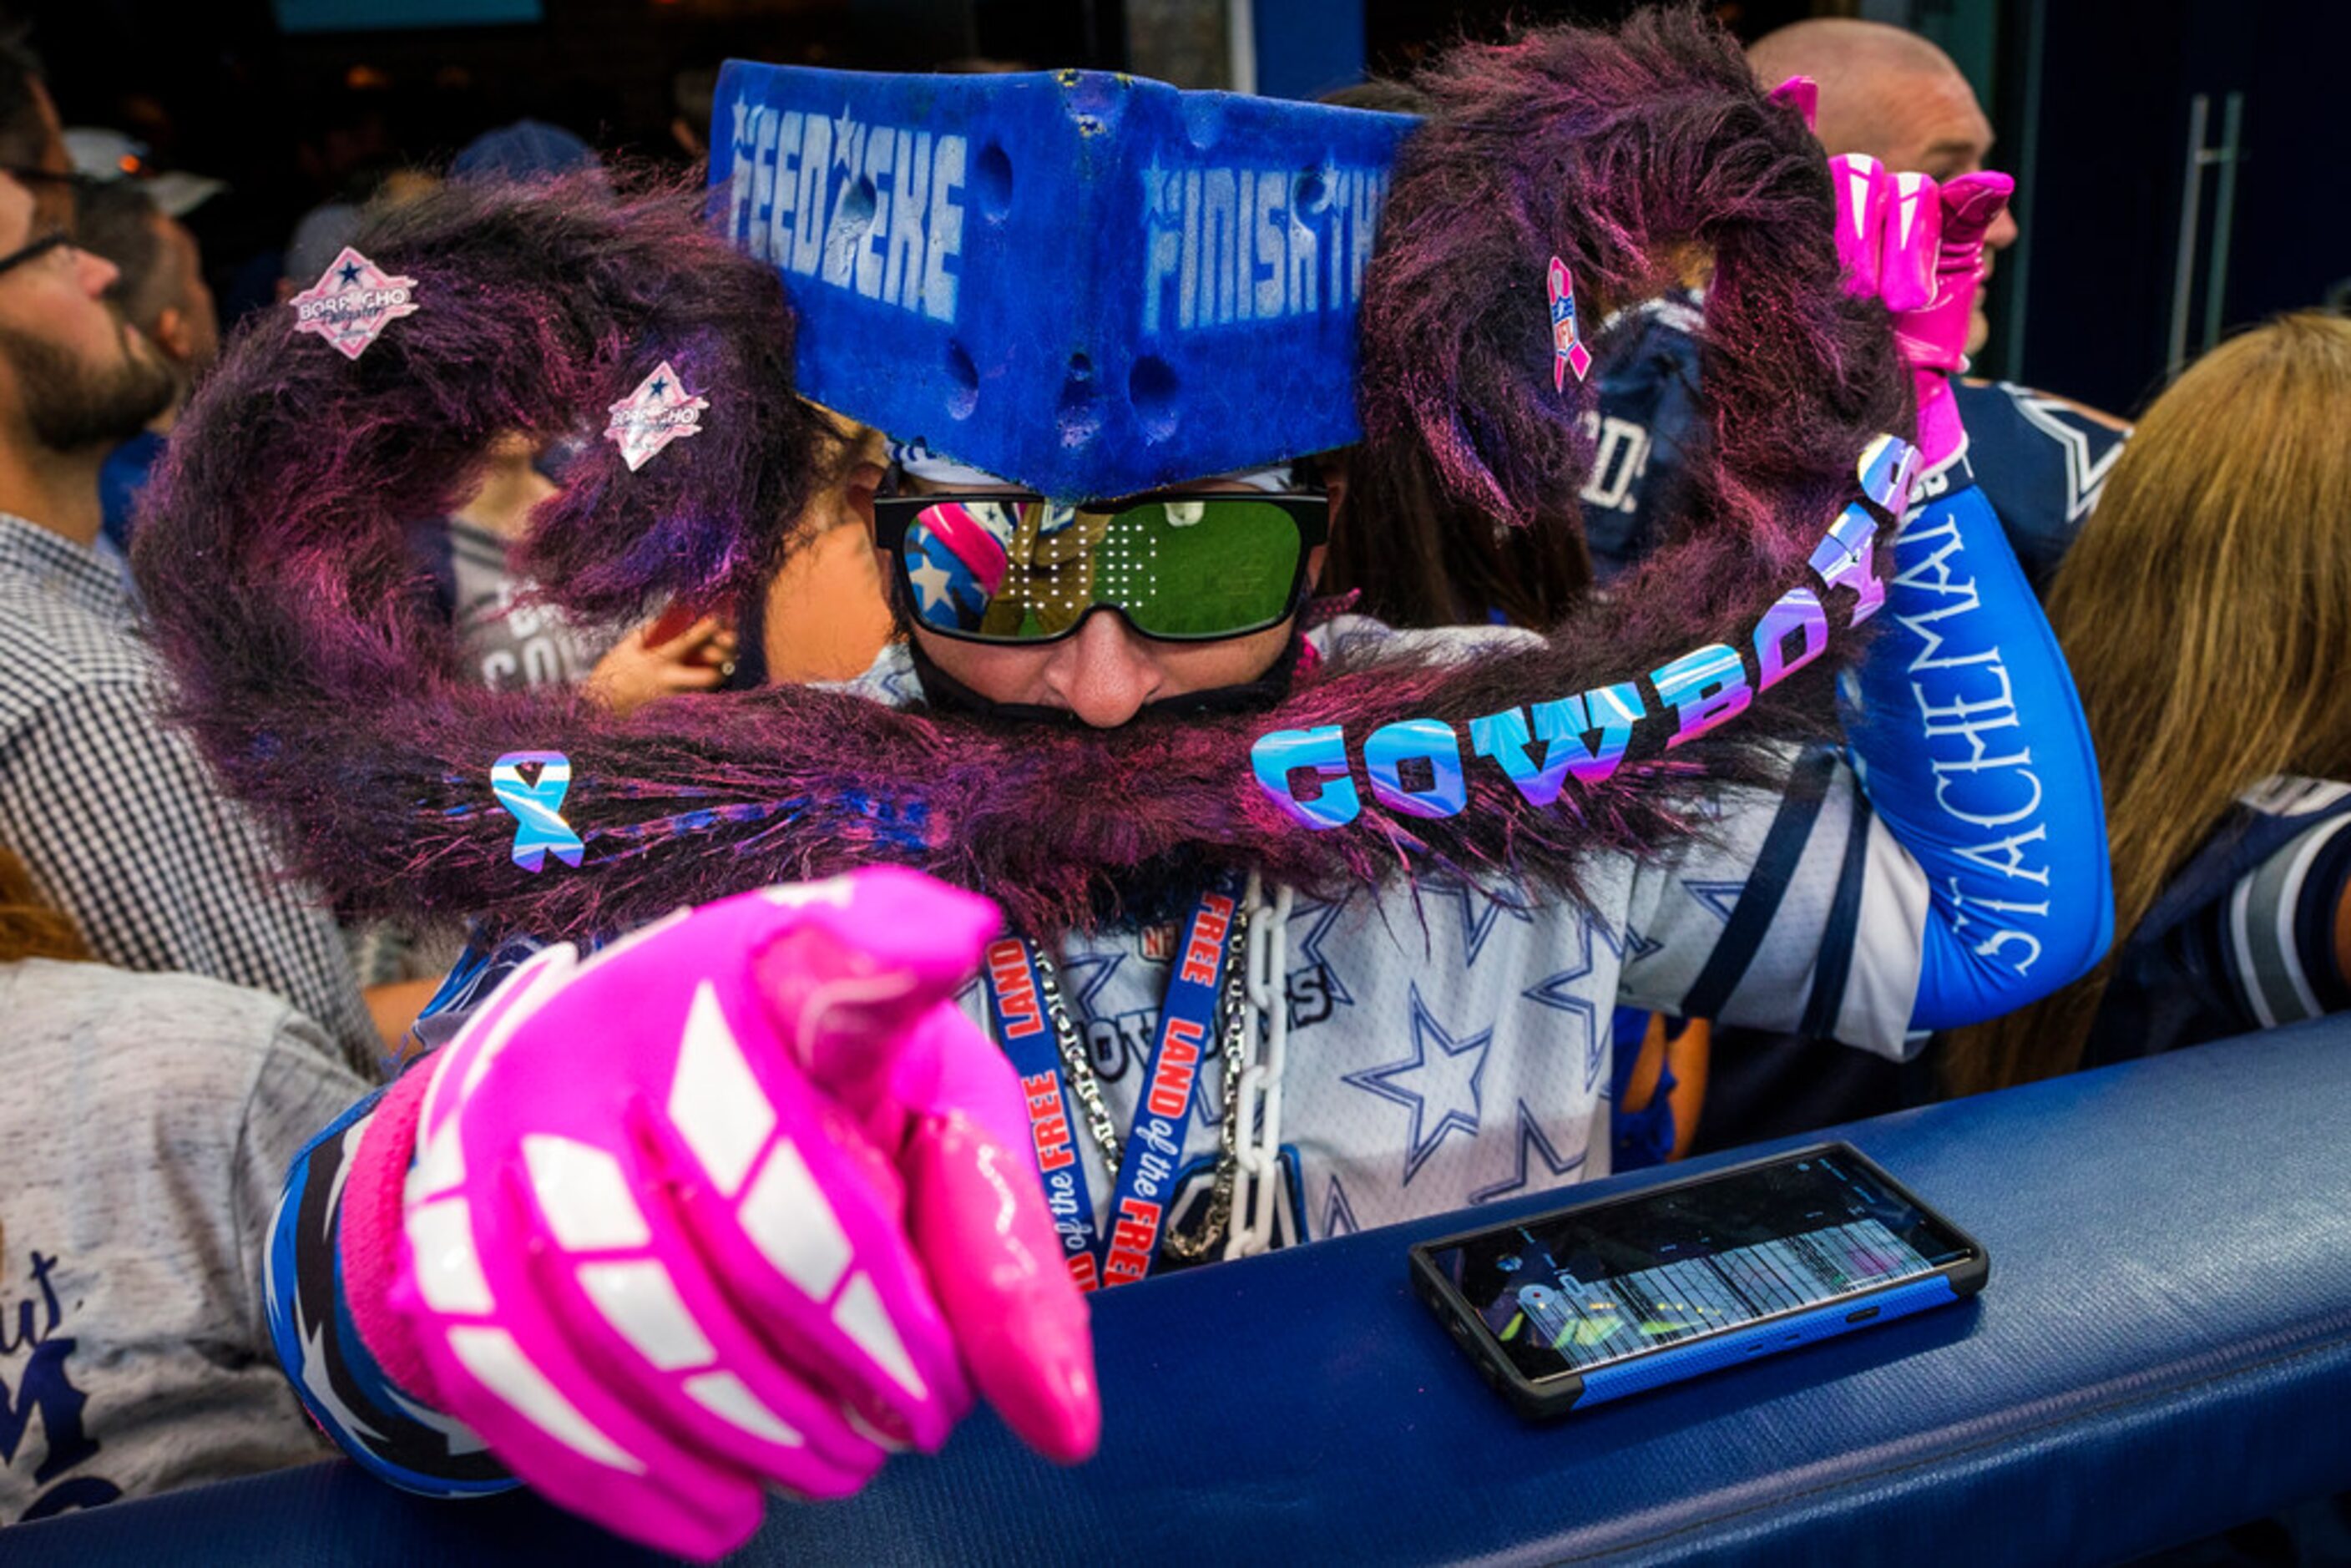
[149, 1120]
[511, 644]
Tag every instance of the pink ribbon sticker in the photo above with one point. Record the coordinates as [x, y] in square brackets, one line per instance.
[1566, 343]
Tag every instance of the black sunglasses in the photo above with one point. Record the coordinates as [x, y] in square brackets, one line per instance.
[1180, 567]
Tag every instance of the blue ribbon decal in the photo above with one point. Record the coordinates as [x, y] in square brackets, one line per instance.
[537, 808]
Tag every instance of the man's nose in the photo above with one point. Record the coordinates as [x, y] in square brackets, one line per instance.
[1105, 673]
[94, 273]
[2003, 231]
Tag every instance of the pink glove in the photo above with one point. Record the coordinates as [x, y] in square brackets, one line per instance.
[1802, 94]
[738, 1200]
[1919, 247]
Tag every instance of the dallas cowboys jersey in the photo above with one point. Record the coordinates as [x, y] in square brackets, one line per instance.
[1450, 1043]
[2242, 937]
[1648, 417]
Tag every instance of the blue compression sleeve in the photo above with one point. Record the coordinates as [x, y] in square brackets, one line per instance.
[337, 1380]
[1973, 748]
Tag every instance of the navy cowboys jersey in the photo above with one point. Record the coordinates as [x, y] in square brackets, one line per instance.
[2242, 937]
[2040, 459]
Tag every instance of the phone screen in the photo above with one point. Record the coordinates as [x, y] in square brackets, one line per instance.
[1572, 1292]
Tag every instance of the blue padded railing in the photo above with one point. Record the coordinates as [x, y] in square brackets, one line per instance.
[2164, 1350]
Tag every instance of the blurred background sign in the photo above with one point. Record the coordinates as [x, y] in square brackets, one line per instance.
[359, 16]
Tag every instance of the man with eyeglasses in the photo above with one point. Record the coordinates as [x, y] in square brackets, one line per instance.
[112, 810]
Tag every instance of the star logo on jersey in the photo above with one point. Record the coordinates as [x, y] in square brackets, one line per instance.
[1566, 991]
[1438, 1084]
[1310, 946]
[1719, 898]
[2085, 474]
[352, 302]
[659, 411]
[1559, 993]
[1338, 1214]
[1530, 1142]
[1084, 976]
[1480, 911]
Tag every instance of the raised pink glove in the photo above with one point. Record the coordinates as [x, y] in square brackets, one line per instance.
[1919, 247]
[740, 1200]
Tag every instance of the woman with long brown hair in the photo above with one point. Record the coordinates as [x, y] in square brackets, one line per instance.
[2207, 615]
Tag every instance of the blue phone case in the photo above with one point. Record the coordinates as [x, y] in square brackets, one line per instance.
[1538, 1399]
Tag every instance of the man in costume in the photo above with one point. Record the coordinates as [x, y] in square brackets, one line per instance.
[747, 1197]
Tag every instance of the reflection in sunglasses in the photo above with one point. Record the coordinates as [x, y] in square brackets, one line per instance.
[1027, 570]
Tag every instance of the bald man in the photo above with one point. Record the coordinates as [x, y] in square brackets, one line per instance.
[1889, 93]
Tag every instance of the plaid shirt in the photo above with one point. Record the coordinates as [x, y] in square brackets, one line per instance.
[116, 815]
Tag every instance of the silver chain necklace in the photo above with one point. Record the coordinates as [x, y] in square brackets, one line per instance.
[1078, 1068]
[1231, 1006]
[1076, 1065]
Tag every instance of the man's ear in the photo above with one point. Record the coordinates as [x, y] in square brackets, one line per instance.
[1333, 475]
[857, 495]
[172, 335]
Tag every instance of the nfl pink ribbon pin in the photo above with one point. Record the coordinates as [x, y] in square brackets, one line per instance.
[659, 411]
[1566, 342]
[352, 302]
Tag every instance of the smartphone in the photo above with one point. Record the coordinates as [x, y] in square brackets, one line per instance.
[1599, 1300]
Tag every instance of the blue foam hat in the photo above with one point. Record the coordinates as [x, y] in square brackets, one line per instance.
[1092, 284]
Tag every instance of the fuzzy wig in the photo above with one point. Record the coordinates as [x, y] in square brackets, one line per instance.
[327, 695]
[1646, 158]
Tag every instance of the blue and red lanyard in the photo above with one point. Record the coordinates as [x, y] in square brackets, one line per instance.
[1144, 1183]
